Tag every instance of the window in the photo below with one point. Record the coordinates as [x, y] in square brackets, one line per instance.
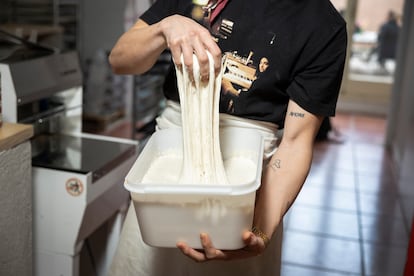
[373, 44]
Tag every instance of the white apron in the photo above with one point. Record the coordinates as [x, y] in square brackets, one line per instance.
[134, 257]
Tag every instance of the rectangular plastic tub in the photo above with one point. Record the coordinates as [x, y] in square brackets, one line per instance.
[171, 212]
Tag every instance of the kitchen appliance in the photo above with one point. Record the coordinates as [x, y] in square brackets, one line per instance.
[77, 177]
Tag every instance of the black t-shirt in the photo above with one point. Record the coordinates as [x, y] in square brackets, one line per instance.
[276, 50]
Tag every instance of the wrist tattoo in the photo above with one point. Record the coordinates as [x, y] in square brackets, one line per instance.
[276, 164]
[296, 114]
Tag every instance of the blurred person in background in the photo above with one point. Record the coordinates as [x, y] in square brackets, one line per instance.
[387, 39]
[329, 133]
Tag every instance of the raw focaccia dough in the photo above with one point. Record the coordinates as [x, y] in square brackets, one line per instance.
[202, 159]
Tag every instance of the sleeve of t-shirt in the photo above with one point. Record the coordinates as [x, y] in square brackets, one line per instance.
[161, 9]
[317, 80]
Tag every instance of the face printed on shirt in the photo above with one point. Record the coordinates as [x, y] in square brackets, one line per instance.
[264, 63]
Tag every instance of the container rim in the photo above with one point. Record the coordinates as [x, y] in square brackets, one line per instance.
[197, 189]
[202, 189]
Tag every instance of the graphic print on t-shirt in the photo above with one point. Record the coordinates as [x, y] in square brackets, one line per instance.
[239, 74]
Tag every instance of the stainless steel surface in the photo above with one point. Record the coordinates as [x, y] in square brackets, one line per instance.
[40, 78]
[80, 154]
[48, 95]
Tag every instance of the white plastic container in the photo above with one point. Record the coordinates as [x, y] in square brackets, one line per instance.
[168, 212]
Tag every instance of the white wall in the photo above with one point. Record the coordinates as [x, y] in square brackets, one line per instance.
[102, 22]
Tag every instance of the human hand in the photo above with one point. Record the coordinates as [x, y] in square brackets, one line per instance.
[255, 245]
[186, 37]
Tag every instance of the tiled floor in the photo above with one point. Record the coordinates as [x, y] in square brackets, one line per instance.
[347, 219]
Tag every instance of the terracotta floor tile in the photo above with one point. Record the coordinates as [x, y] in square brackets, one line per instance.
[331, 199]
[380, 204]
[384, 230]
[376, 184]
[348, 219]
[324, 222]
[296, 270]
[331, 179]
[325, 253]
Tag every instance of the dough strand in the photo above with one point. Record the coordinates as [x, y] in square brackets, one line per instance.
[202, 159]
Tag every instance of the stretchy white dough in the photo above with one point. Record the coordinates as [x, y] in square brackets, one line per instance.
[202, 159]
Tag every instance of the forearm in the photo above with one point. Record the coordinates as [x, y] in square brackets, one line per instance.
[137, 50]
[287, 171]
[281, 183]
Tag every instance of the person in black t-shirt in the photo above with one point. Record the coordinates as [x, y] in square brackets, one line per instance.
[304, 46]
[387, 39]
[328, 133]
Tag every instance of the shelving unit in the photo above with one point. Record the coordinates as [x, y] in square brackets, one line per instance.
[35, 14]
[148, 98]
[69, 18]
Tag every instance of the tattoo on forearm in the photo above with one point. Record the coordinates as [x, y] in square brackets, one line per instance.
[296, 114]
[275, 165]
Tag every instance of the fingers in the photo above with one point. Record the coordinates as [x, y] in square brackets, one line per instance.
[186, 37]
[253, 242]
[196, 61]
[191, 253]
[203, 61]
[215, 51]
[209, 250]
[187, 60]
[254, 246]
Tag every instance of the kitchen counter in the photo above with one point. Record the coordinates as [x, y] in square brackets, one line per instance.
[14, 134]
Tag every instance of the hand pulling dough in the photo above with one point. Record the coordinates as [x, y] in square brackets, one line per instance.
[202, 159]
